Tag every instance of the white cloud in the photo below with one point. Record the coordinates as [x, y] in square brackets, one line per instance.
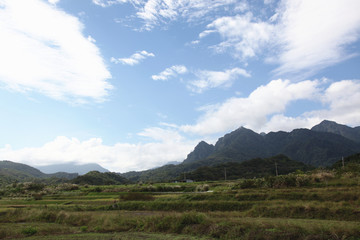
[43, 50]
[54, 2]
[301, 36]
[161, 134]
[265, 108]
[213, 79]
[254, 110]
[170, 72]
[243, 34]
[91, 39]
[314, 34]
[341, 102]
[133, 59]
[120, 157]
[107, 3]
[156, 12]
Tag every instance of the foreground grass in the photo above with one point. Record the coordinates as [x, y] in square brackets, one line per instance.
[190, 225]
[115, 236]
[325, 210]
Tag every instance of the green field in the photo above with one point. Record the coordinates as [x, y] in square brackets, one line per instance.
[318, 205]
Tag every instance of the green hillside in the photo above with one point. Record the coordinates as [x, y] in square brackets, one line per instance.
[248, 169]
[98, 178]
[11, 172]
[350, 163]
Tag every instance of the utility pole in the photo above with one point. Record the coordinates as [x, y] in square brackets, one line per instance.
[225, 174]
[343, 162]
[276, 169]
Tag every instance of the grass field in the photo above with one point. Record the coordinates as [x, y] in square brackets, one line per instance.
[326, 207]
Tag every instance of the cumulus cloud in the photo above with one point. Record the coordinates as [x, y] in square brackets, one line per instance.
[43, 50]
[339, 107]
[133, 59]
[265, 108]
[253, 110]
[243, 34]
[170, 72]
[120, 157]
[213, 79]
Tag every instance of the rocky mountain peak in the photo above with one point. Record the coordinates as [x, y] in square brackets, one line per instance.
[343, 130]
[202, 150]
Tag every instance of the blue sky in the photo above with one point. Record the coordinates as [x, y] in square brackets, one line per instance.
[134, 84]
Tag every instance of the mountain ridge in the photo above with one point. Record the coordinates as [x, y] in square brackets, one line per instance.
[312, 147]
[340, 129]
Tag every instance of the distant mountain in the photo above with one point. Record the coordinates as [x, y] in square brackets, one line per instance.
[257, 167]
[17, 172]
[24, 169]
[72, 168]
[343, 130]
[98, 178]
[307, 146]
[312, 147]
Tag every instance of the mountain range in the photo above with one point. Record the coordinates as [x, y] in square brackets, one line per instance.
[322, 145]
[243, 152]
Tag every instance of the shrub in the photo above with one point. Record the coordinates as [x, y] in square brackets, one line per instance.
[29, 231]
[251, 183]
[192, 218]
[83, 228]
[68, 187]
[322, 176]
[202, 188]
[34, 186]
[302, 180]
[37, 196]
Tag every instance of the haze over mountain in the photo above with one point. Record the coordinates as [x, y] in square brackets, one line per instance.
[312, 147]
[72, 168]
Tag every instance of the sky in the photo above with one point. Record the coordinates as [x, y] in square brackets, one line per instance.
[135, 84]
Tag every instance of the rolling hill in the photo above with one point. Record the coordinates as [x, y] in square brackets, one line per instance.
[98, 178]
[17, 172]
